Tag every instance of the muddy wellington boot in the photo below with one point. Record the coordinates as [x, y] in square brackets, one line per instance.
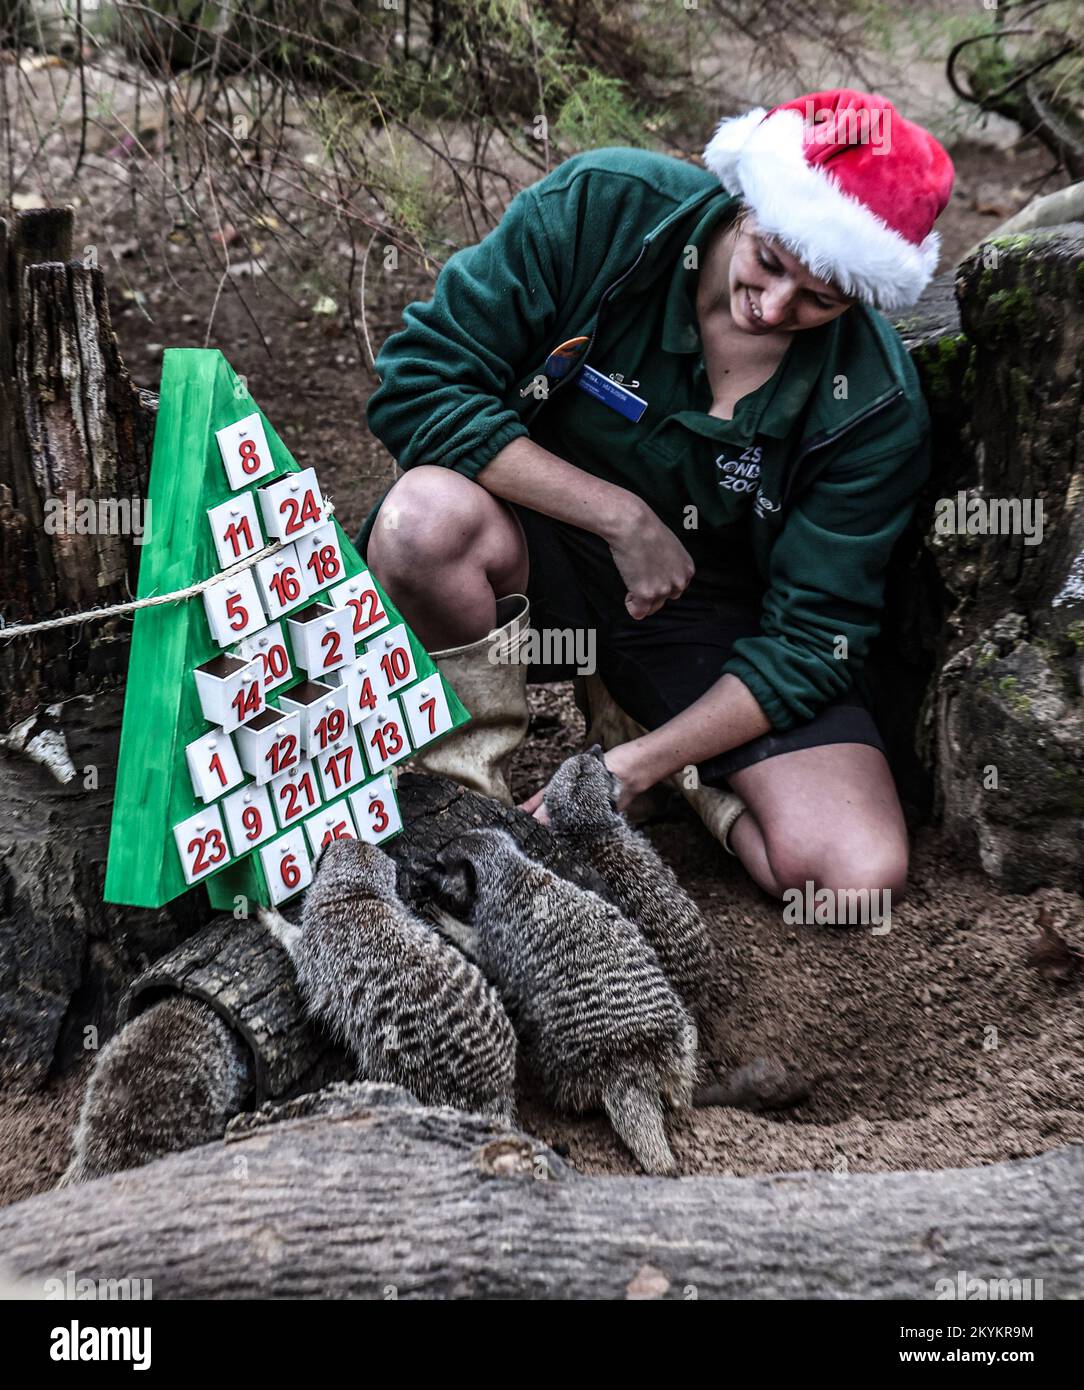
[610, 725]
[491, 680]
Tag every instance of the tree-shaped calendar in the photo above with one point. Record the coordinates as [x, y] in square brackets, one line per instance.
[264, 714]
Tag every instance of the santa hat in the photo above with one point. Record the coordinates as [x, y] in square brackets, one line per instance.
[846, 184]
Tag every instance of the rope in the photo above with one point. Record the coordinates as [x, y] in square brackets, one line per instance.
[116, 609]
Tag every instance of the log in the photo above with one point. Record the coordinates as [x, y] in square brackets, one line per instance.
[241, 971]
[65, 956]
[361, 1193]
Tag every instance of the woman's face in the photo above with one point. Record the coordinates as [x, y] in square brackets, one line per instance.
[772, 292]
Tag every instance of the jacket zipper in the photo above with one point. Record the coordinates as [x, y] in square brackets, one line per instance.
[815, 445]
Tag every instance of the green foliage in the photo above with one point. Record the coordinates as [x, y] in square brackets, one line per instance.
[596, 110]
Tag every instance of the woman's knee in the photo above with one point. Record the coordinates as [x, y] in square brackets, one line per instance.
[431, 517]
[847, 864]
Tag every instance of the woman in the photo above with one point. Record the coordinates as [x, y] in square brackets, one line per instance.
[669, 413]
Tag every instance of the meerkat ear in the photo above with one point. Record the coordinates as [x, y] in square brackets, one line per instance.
[597, 751]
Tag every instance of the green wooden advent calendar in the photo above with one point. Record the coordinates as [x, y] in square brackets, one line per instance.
[263, 716]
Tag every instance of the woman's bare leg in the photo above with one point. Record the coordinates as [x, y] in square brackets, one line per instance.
[445, 550]
[827, 815]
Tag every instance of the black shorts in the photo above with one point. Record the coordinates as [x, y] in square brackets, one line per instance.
[657, 666]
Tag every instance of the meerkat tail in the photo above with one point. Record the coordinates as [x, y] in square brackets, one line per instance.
[286, 933]
[636, 1114]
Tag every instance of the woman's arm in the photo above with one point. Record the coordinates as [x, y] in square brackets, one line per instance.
[649, 557]
[724, 717]
[822, 607]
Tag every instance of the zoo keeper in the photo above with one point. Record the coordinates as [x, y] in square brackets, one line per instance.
[659, 405]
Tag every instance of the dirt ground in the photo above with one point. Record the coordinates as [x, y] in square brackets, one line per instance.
[934, 1045]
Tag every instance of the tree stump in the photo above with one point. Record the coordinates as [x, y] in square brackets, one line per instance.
[72, 428]
[1004, 718]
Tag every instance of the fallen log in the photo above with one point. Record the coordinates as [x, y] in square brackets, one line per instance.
[242, 972]
[357, 1192]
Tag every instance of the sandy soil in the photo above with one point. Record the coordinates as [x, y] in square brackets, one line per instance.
[934, 1045]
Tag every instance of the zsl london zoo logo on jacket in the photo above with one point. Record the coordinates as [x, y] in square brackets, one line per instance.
[742, 475]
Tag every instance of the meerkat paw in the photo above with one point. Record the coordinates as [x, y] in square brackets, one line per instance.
[286, 933]
[463, 936]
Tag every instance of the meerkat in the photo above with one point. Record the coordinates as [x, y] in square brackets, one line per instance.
[581, 802]
[169, 1080]
[409, 1007]
[595, 1015]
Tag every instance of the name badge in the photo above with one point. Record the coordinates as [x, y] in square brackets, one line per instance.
[618, 398]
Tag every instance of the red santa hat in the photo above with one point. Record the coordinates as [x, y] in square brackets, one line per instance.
[846, 184]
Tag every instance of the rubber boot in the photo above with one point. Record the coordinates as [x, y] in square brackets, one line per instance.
[490, 679]
[610, 725]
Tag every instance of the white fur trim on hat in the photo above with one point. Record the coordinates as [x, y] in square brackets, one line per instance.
[835, 236]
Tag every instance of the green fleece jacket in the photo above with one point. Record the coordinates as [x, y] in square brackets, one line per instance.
[460, 381]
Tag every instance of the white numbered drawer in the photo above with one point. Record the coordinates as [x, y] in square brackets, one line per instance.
[294, 794]
[269, 646]
[426, 708]
[286, 866]
[249, 818]
[212, 765]
[376, 810]
[364, 684]
[233, 608]
[332, 823]
[230, 690]
[323, 711]
[384, 737]
[281, 581]
[341, 767]
[321, 558]
[292, 506]
[270, 745]
[394, 657]
[201, 843]
[236, 529]
[360, 595]
[245, 451]
[322, 638]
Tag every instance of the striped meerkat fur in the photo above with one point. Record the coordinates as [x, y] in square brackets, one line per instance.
[581, 801]
[408, 1005]
[595, 1015]
[169, 1080]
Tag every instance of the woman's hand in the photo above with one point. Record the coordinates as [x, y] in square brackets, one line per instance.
[623, 761]
[535, 806]
[649, 557]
